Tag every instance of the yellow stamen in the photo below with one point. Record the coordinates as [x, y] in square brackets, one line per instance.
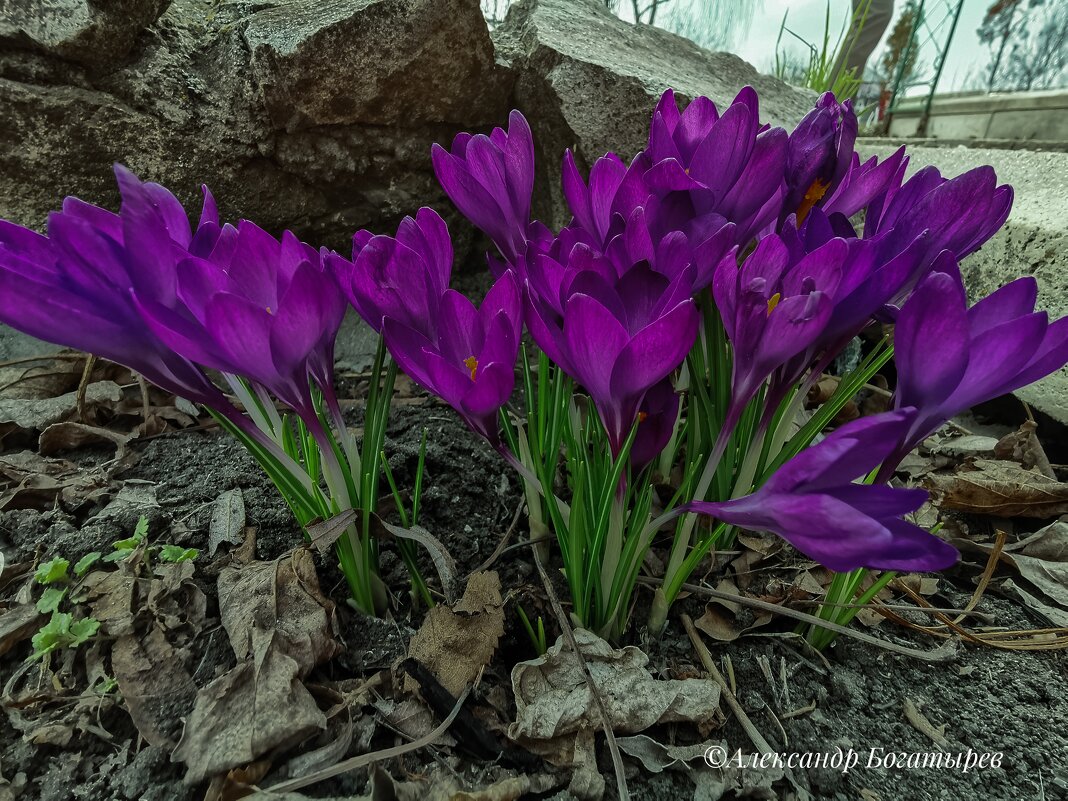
[773, 301]
[269, 310]
[471, 363]
[813, 196]
[643, 416]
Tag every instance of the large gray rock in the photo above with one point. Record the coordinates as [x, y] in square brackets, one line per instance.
[1034, 240]
[94, 33]
[589, 81]
[310, 115]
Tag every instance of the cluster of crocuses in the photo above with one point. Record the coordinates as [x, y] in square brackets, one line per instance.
[678, 320]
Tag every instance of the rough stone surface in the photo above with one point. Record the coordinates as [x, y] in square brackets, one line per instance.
[589, 81]
[1034, 240]
[94, 33]
[316, 116]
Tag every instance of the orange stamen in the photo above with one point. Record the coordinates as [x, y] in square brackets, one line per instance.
[471, 363]
[813, 196]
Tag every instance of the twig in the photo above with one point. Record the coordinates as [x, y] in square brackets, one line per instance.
[501, 546]
[940, 654]
[606, 722]
[366, 759]
[919, 721]
[710, 667]
[83, 385]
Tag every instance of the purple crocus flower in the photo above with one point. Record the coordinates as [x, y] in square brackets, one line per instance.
[865, 182]
[725, 167]
[400, 277]
[617, 336]
[819, 154]
[469, 362]
[960, 213]
[75, 285]
[254, 306]
[876, 271]
[772, 311]
[491, 179]
[657, 415]
[611, 194]
[812, 503]
[950, 357]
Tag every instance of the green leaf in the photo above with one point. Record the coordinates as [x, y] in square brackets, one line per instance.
[82, 630]
[176, 553]
[140, 532]
[52, 635]
[52, 571]
[62, 631]
[117, 556]
[86, 562]
[49, 600]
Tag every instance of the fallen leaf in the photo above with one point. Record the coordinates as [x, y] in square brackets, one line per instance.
[1041, 560]
[724, 626]
[70, 435]
[17, 624]
[966, 446]
[1024, 447]
[657, 757]
[553, 699]
[280, 599]
[455, 644]
[227, 520]
[36, 414]
[154, 683]
[30, 481]
[445, 786]
[280, 627]
[1002, 489]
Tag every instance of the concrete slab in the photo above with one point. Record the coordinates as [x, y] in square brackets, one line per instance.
[1034, 240]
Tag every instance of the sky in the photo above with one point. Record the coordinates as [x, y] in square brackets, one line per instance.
[806, 18]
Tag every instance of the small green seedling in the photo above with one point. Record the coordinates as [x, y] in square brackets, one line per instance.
[64, 631]
[541, 644]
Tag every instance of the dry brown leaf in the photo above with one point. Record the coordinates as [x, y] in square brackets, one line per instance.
[1023, 446]
[455, 644]
[724, 626]
[154, 683]
[175, 599]
[553, 699]
[280, 627]
[70, 435]
[227, 520]
[657, 757]
[17, 624]
[111, 599]
[557, 717]
[30, 481]
[36, 414]
[278, 599]
[1002, 489]
[964, 446]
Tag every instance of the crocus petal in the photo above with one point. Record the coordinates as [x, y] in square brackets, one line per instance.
[655, 350]
[931, 341]
[594, 338]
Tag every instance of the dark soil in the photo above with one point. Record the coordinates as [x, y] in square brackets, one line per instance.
[989, 701]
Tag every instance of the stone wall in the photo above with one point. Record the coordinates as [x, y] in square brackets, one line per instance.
[318, 115]
[1034, 240]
